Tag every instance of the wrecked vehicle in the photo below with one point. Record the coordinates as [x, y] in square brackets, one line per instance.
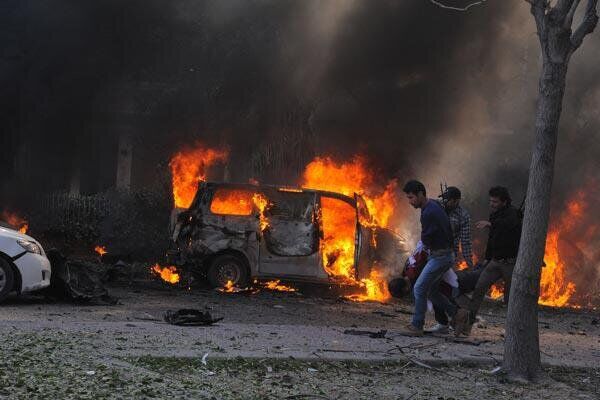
[235, 233]
[24, 266]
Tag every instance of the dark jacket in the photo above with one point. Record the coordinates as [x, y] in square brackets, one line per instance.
[505, 234]
[436, 232]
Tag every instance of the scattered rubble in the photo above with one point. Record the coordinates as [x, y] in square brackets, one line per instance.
[190, 317]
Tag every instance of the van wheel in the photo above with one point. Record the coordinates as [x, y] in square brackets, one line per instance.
[227, 268]
[7, 279]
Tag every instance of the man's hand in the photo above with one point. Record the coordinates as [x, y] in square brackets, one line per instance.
[483, 224]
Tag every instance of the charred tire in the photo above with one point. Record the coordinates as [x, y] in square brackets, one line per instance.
[7, 279]
[226, 268]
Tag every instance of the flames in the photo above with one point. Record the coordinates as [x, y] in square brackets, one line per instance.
[240, 202]
[339, 231]
[232, 202]
[557, 288]
[101, 250]
[339, 217]
[188, 167]
[13, 219]
[261, 204]
[351, 177]
[376, 288]
[275, 285]
[228, 288]
[168, 274]
[278, 286]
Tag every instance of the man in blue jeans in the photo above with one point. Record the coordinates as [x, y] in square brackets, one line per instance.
[436, 235]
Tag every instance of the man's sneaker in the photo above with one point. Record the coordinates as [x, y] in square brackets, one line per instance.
[438, 328]
[460, 320]
[411, 330]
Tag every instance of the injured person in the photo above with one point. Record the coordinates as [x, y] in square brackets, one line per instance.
[454, 285]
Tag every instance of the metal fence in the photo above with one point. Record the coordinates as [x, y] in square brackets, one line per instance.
[68, 209]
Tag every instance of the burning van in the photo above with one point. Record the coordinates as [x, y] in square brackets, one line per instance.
[235, 233]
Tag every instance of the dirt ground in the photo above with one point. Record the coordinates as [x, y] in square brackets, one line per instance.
[273, 345]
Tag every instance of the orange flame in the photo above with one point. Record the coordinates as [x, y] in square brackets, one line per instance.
[556, 289]
[376, 289]
[496, 291]
[101, 250]
[339, 232]
[189, 167]
[462, 265]
[232, 202]
[229, 287]
[240, 202]
[339, 218]
[276, 285]
[13, 219]
[352, 177]
[168, 274]
[261, 203]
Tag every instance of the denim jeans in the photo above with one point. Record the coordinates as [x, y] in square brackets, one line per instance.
[427, 287]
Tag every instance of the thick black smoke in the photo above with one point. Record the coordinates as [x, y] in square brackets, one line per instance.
[337, 77]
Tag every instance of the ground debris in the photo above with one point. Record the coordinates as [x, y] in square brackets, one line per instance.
[373, 335]
[77, 281]
[190, 317]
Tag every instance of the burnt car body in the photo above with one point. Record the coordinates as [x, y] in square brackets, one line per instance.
[235, 249]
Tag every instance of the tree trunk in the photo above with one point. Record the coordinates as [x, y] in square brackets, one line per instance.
[521, 351]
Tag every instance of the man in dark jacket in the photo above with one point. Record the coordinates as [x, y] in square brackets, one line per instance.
[436, 236]
[501, 252]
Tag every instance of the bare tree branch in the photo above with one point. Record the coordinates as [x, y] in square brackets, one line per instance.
[571, 13]
[562, 8]
[465, 8]
[587, 26]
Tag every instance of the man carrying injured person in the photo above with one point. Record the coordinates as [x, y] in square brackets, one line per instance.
[500, 255]
[436, 236]
[453, 285]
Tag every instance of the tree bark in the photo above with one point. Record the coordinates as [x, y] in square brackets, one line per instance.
[521, 351]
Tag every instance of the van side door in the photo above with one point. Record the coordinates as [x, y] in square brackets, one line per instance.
[289, 245]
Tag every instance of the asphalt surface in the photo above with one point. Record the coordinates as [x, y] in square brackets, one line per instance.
[282, 325]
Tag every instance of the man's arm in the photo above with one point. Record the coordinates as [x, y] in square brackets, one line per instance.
[465, 239]
[428, 228]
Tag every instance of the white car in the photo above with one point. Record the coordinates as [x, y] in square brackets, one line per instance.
[24, 266]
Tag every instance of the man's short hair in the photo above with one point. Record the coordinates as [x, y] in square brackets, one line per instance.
[452, 193]
[414, 187]
[501, 193]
